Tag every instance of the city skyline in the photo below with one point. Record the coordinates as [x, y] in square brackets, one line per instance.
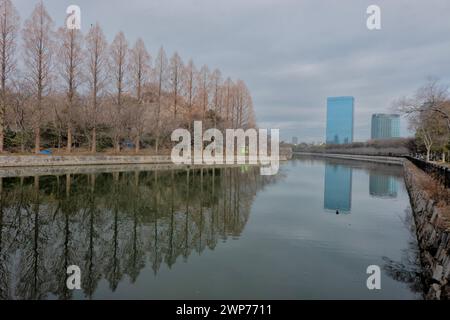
[333, 52]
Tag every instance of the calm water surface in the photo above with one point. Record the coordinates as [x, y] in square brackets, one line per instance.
[309, 232]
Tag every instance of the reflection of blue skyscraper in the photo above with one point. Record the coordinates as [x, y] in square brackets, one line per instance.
[340, 120]
[382, 186]
[338, 187]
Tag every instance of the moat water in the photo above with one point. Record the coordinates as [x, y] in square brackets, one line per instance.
[309, 232]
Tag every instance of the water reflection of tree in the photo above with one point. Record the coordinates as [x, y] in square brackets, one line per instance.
[408, 270]
[4, 274]
[111, 224]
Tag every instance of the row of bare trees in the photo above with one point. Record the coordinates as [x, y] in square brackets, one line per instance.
[429, 116]
[74, 90]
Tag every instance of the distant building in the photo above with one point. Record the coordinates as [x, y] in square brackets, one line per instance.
[294, 140]
[385, 126]
[340, 120]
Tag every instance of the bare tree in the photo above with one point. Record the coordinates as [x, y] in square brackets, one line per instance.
[245, 115]
[422, 124]
[228, 101]
[432, 97]
[9, 25]
[216, 79]
[140, 67]
[176, 67]
[97, 75]
[429, 111]
[190, 75]
[161, 81]
[140, 73]
[204, 87]
[70, 58]
[119, 56]
[20, 114]
[38, 50]
[442, 132]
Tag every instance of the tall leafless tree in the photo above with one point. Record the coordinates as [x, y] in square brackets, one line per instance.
[190, 75]
[204, 87]
[140, 74]
[176, 67]
[38, 50]
[119, 56]
[161, 81]
[216, 79]
[70, 60]
[9, 26]
[228, 88]
[97, 60]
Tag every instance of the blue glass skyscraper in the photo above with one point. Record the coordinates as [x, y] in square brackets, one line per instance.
[385, 126]
[340, 120]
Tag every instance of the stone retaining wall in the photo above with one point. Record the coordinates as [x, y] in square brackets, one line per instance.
[45, 160]
[380, 159]
[8, 172]
[433, 233]
[22, 166]
[73, 160]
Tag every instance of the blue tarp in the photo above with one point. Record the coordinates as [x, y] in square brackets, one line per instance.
[46, 151]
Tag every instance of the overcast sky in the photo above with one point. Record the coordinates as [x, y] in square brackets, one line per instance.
[292, 54]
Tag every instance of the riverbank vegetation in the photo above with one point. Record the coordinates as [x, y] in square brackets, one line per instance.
[389, 147]
[435, 190]
[66, 90]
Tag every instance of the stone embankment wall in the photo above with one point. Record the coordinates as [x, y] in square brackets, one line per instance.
[81, 160]
[380, 159]
[432, 219]
[53, 160]
[23, 166]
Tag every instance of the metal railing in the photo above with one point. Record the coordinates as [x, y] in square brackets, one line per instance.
[439, 172]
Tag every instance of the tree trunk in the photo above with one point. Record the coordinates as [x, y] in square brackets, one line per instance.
[443, 156]
[94, 140]
[136, 144]
[37, 140]
[69, 139]
[428, 155]
[2, 125]
[2, 137]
